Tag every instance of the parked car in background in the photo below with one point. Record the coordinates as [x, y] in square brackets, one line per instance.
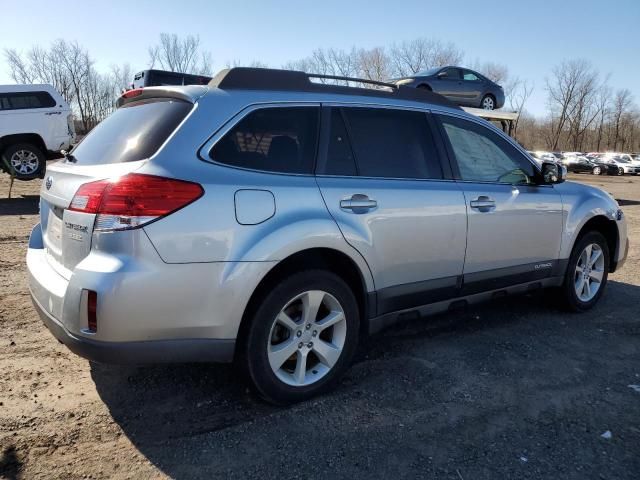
[35, 124]
[292, 231]
[583, 164]
[460, 85]
[624, 163]
[157, 78]
[547, 156]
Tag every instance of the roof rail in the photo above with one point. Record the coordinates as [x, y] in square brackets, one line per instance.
[246, 78]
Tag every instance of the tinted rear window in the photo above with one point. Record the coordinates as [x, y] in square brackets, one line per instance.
[134, 132]
[25, 100]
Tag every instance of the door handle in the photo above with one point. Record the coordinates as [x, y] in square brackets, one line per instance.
[483, 203]
[358, 203]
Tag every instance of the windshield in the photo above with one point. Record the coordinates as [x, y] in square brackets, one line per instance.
[428, 72]
[133, 132]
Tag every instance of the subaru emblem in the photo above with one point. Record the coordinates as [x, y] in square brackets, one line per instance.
[49, 182]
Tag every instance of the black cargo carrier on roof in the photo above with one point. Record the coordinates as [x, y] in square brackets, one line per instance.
[244, 78]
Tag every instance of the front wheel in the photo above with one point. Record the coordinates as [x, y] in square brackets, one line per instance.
[597, 170]
[587, 273]
[620, 171]
[488, 103]
[301, 338]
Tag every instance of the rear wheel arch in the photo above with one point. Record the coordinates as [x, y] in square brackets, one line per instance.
[328, 259]
[32, 138]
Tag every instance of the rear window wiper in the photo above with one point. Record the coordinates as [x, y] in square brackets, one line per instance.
[70, 158]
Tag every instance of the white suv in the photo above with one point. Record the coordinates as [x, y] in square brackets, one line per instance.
[35, 124]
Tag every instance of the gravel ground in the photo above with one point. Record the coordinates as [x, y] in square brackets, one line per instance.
[510, 389]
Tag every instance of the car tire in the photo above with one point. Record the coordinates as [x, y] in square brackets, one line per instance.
[280, 338]
[620, 171]
[596, 171]
[26, 159]
[488, 102]
[574, 295]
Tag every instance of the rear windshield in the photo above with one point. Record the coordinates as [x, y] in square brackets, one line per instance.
[133, 132]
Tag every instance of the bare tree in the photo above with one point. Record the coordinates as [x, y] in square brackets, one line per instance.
[331, 61]
[121, 77]
[252, 64]
[571, 83]
[493, 71]
[69, 68]
[373, 64]
[180, 55]
[411, 56]
[621, 109]
[520, 93]
[603, 106]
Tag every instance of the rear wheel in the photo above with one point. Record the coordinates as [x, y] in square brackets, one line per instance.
[301, 338]
[26, 160]
[488, 102]
[587, 273]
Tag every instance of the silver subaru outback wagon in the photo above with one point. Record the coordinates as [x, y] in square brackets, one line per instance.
[271, 220]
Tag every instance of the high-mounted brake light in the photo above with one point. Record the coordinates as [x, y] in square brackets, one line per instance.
[132, 93]
[133, 200]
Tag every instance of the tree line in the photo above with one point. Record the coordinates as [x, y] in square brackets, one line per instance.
[583, 112]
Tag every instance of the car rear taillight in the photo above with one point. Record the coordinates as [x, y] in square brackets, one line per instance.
[133, 200]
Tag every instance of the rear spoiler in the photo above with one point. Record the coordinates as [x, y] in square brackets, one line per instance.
[189, 94]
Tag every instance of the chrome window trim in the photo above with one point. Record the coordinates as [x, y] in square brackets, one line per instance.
[205, 149]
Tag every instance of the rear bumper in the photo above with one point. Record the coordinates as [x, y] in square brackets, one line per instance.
[153, 351]
[147, 311]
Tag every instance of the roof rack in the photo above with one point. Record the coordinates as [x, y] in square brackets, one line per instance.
[245, 78]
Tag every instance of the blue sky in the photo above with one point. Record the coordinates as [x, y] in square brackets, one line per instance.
[529, 37]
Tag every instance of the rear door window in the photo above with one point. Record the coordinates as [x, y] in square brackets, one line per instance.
[272, 139]
[388, 143]
[133, 132]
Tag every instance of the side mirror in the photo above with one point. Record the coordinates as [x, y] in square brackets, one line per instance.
[553, 173]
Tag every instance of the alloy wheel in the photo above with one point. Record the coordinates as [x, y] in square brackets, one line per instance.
[307, 338]
[24, 162]
[488, 103]
[589, 272]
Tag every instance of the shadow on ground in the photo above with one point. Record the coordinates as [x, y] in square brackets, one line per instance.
[10, 465]
[22, 205]
[420, 369]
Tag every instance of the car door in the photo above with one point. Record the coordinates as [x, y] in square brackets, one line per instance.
[449, 84]
[514, 223]
[381, 177]
[472, 86]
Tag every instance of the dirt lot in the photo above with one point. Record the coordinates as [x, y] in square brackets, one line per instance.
[514, 389]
